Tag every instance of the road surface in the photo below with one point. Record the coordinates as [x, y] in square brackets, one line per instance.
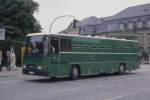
[132, 86]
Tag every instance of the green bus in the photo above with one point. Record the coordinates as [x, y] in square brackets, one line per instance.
[62, 55]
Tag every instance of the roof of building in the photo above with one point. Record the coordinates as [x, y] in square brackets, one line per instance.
[133, 11]
[90, 21]
[129, 12]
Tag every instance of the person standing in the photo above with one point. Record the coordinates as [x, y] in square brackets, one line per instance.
[13, 60]
[8, 61]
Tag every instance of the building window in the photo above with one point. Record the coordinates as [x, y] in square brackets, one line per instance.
[130, 25]
[121, 27]
[109, 28]
[148, 23]
[146, 10]
[148, 33]
[82, 31]
[112, 27]
[139, 24]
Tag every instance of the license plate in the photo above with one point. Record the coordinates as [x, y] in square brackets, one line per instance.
[31, 73]
[30, 66]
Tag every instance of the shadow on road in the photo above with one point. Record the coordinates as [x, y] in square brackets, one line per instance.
[48, 80]
[104, 75]
[5, 76]
[53, 80]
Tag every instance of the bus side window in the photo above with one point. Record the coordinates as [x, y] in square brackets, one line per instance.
[54, 45]
[101, 47]
[108, 47]
[65, 45]
[118, 48]
[127, 48]
[45, 45]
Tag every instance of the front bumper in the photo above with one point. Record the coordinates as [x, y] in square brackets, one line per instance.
[33, 70]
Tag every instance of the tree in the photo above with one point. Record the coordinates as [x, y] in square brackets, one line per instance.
[18, 18]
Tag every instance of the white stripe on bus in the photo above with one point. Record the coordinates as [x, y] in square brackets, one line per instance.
[101, 62]
[96, 53]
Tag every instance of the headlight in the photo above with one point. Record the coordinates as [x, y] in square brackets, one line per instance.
[39, 67]
[24, 66]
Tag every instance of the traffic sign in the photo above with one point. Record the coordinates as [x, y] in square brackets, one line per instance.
[2, 34]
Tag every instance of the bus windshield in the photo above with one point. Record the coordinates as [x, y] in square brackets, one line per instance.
[37, 45]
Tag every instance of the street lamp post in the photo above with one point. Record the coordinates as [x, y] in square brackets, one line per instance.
[57, 19]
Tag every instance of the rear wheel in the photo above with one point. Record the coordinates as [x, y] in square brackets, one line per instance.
[122, 69]
[74, 73]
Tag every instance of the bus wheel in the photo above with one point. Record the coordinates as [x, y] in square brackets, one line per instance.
[74, 73]
[122, 69]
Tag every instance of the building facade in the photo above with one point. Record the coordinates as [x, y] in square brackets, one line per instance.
[131, 23]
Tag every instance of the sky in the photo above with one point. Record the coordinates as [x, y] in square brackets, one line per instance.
[80, 9]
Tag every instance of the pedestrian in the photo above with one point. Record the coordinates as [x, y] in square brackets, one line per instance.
[13, 60]
[1, 60]
[4, 59]
[8, 61]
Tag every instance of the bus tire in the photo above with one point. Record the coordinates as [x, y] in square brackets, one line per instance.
[122, 69]
[74, 73]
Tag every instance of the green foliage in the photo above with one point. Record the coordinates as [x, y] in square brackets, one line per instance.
[18, 18]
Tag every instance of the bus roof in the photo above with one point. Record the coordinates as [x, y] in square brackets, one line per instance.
[33, 34]
[96, 37]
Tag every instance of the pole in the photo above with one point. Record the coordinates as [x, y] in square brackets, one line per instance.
[57, 19]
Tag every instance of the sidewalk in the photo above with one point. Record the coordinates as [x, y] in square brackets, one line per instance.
[5, 73]
[17, 74]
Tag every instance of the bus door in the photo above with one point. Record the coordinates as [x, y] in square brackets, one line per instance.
[54, 61]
